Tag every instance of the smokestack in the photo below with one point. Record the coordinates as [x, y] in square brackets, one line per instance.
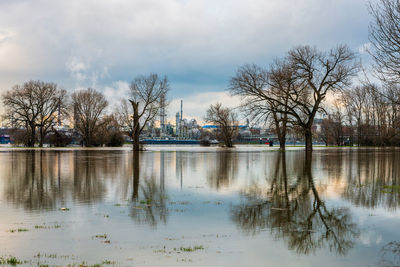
[181, 109]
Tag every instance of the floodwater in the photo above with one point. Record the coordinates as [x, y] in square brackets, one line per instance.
[200, 207]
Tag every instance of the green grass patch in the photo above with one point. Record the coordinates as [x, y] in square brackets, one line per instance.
[391, 189]
[145, 202]
[191, 249]
[18, 230]
[10, 261]
[394, 187]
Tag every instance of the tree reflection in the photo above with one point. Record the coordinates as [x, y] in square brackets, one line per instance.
[86, 176]
[148, 198]
[390, 254]
[225, 170]
[31, 181]
[42, 180]
[373, 179]
[293, 211]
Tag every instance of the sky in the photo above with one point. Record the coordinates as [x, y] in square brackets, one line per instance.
[197, 44]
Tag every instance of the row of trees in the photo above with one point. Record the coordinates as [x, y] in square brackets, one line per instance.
[293, 90]
[365, 115]
[369, 114]
[37, 107]
[288, 94]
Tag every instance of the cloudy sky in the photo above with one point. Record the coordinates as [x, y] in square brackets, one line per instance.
[198, 44]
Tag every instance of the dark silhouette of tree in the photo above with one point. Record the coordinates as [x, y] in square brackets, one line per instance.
[384, 36]
[225, 119]
[35, 104]
[264, 94]
[146, 96]
[88, 107]
[298, 87]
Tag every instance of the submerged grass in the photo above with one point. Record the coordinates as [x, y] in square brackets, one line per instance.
[191, 249]
[391, 189]
[56, 226]
[101, 236]
[145, 202]
[10, 261]
[18, 230]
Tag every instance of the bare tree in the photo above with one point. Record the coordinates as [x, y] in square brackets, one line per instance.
[297, 87]
[34, 104]
[265, 94]
[332, 131]
[146, 93]
[21, 109]
[226, 119]
[317, 74]
[51, 106]
[125, 118]
[384, 34]
[88, 108]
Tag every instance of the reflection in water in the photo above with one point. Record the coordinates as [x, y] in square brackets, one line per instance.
[293, 210]
[32, 182]
[224, 170]
[149, 203]
[300, 202]
[87, 174]
[38, 180]
[373, 179]
[390, 254]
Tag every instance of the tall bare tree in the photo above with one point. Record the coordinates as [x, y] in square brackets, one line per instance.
[384, 34]
[51, 105]
[21, 109]
[34, 104]
[88, 108]
[317, 74]
[265, 94]
[298, 87]
[146, 93]
[226, 119]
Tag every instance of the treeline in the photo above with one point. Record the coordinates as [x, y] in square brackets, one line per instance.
[35, 109]
[366, 115]
[369, 114]
[290, 93]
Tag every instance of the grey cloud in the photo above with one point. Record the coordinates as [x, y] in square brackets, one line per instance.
[97, 42]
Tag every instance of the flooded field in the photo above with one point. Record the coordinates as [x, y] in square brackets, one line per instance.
[200, 207]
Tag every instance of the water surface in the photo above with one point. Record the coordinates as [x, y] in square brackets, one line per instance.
[198, 207]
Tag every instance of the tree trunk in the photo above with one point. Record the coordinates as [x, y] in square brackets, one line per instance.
[86, 140]
[41, 137]
[136, 145]
[136, 132]
[281, 131]
[31, 141]
[308, 138]
[227, 137]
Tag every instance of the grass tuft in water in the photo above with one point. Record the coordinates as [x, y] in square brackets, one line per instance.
[10, 261]
[191, 249]
[145, 202]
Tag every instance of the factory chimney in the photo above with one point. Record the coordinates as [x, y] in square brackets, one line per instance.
[181, 109]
